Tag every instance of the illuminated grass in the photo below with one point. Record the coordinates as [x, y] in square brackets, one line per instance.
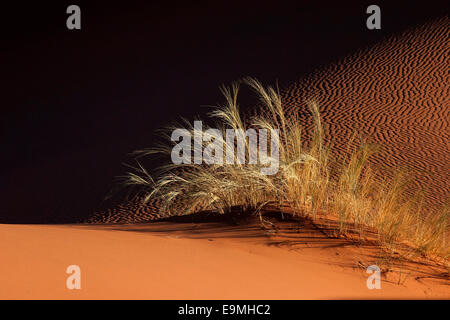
[304, 182]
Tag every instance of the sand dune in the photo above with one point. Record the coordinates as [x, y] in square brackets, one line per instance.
[196, 261]
[395, 94]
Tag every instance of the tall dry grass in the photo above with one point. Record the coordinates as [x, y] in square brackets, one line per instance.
[308, 181]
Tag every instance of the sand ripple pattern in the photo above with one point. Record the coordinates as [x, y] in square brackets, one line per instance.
[397, 95]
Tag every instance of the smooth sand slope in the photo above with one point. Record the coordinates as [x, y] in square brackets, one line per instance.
[196, 261]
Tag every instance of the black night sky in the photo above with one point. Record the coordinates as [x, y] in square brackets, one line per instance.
[74, 103]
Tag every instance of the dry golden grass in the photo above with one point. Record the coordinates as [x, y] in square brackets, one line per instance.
[308, 181]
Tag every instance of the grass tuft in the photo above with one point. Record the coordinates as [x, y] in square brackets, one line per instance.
[308, 181]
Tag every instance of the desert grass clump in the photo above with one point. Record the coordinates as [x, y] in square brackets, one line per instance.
[309, 179]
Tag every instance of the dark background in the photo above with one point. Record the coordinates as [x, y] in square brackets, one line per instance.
[75, 103]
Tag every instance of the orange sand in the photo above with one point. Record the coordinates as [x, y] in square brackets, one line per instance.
[191, 261]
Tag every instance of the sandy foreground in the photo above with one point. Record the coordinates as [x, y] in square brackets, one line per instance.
[196, 261]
